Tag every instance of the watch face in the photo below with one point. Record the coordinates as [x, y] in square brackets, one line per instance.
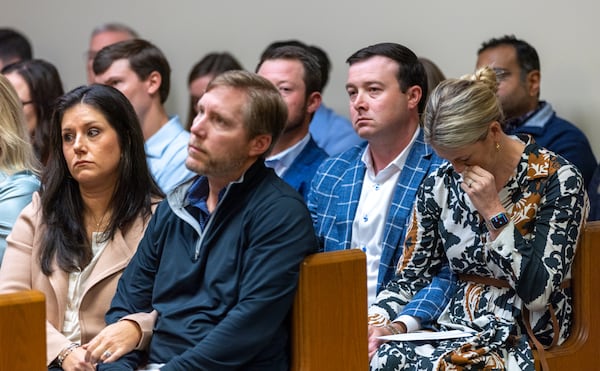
[499, 221]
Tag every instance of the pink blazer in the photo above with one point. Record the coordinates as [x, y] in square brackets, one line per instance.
[21, 270]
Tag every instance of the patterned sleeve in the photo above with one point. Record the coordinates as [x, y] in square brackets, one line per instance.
[423, 283]
[540, 261]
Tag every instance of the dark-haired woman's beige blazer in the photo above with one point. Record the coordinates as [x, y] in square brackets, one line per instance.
[21, 270]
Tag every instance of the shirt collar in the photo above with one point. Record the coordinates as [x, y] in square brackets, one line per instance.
[396, 165]
[511, 124]
[198, 191]
[286, 158]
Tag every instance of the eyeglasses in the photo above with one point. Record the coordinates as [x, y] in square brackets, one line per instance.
[501, 74]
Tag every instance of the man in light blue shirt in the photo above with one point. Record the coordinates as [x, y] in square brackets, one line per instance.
[141, 72]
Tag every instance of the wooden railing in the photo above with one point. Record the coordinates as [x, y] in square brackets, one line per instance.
[23, 331]
[329, 330]
[329, 318]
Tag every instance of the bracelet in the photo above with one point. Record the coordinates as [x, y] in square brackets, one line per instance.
[392, 328]
[65, 353]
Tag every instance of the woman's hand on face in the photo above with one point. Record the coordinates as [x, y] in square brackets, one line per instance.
[113, 342]
[75, 361]
[480, 186]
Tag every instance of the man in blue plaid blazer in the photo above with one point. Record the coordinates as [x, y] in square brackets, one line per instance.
[363, 197]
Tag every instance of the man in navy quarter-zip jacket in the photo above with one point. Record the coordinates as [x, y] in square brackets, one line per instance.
[220, 258]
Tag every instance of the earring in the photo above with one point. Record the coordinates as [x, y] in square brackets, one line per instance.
[497, 147]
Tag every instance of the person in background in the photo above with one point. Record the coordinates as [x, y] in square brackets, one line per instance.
[295, 72]
[140, 71]
[220, 259]
[38, 85]
[104, 35]
[433, 72]
[14, 47]
[518, 68]
[361, 198]
[75, 238]
[200, 75]
[19, 168]
[331, 131]
[506, 214]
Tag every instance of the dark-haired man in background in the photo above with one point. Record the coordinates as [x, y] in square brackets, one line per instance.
[14, 47]
[517, 67]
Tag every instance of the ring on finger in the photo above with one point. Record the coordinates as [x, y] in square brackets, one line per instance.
[106, 354]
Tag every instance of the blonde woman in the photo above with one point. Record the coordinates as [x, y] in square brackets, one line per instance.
[506, 215]
[18, 164]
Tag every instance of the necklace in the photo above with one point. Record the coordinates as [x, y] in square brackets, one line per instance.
[98, 223]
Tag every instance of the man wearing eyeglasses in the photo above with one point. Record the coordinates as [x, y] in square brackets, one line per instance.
[104, 35]
[517, 66]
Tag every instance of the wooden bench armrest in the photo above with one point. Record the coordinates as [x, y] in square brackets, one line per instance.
[23, 331]
[329, 317]
[580, 350]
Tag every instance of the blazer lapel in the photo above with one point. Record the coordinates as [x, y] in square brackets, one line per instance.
[115, 257]
[59, 280]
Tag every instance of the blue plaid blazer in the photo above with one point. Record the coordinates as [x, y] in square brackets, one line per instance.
[335, 192]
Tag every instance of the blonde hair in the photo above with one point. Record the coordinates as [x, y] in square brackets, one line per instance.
[460, 111]
[16, 152]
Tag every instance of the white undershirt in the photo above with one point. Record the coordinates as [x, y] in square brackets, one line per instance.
[371, 214]
[77, 285]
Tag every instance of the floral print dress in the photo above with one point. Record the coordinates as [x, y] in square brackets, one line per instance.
[547, 205]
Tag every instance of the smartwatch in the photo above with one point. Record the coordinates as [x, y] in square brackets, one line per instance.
[498, 221]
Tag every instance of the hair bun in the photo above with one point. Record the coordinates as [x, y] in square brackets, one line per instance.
[484, 75]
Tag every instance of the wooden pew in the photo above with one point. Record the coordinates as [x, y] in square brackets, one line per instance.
[580, 350]
[329, 317]
[23, 331]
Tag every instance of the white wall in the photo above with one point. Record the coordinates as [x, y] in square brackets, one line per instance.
[448, 32]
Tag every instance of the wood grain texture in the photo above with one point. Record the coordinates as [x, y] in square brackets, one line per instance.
[329, 324]
[23, 331]
[582, 349]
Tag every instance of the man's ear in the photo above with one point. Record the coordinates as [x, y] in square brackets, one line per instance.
[153, 81]
[533, 83]
[415, 94]
[259, 145]
[313, 102]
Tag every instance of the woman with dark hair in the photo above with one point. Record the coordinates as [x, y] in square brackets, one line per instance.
[205, 70]
[76, 237]
[38, 85]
